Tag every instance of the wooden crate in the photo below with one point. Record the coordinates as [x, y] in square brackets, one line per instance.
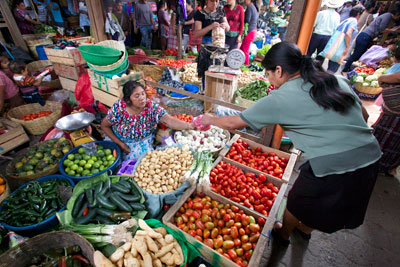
[67, 84]
[113, 86]
[70, 72]
[104, 97]
[211, 255]
[289, 167]
[220, 86]
[67, 56]
[275, 181]
[14, 137]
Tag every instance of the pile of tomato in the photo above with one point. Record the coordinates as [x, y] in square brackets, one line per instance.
[32, 116]
[247, 189]
[222, 227]
[170, 52]
[268, 163]
[184, 117]
[173, 63]
[368, 71]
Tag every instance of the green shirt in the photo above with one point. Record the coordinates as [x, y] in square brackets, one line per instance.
[333, 142]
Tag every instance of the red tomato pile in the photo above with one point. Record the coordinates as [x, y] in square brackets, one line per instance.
[172, 62]
[244, 188]
[368, 71]
[32, 116]
[222, 227]
[257, 159]
[170, 52]
[184, 117]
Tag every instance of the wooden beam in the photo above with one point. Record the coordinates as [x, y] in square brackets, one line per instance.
[97, 20]
[12, 25]
[179, 41]
[296, 18]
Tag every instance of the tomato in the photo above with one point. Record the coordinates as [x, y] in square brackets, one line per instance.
[254, 227]
[192, 233]
[232, 254]
[199, 232]
[209, 242]
[228, 244]
[254, 238]
[261, 221]
[206, 233]
[239, 252]
[179, 221]
[234, 232]
[199, 238]
[214, 233]
[227, 217]
[242, 231]
[247, 246]
[199, 224]
[237, 242]
[209, 225]
[225, 231]
[218, 242]
[244, 239]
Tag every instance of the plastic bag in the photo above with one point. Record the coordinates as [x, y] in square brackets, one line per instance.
[374, 55]
[59, 96]
[218, 37]
[83, 91]
[197, 121]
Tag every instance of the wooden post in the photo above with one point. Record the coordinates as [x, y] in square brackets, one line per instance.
[296, 18]
[307, 24]
[179, 41]
[97, 20]
[12, 25]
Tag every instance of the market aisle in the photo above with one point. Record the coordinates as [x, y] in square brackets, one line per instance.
[375, 243]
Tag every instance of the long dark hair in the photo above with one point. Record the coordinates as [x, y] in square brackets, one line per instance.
[128, 90]
[325, 90]
[255, 4]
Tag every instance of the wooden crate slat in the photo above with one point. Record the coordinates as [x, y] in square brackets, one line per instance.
[104, 97]
[67, 84]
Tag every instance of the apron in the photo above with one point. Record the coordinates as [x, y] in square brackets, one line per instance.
[137, 148]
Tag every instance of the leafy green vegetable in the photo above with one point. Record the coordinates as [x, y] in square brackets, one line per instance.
[254, 90]
[264, 50]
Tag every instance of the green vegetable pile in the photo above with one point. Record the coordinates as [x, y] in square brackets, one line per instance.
[43, 28]
[254, 90]
[108, 202]
[33, 204]
[264, 50]
[254, 66]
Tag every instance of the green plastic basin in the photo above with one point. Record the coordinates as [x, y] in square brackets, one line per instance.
[99, 55]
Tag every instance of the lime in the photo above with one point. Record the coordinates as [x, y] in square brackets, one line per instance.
[74, 167]
[78, 157]
[110, 157]
[19, 165]
[81, 150]
[108, 151]
[96, 165]
[71, 156]
[110, 162]
[82, 162]
[71, 172]
[90, 161]
[88, 166]
[100, 153]
[102, 168]
[94, 158]
[30, 172]
[85, 173]
[95, 171]
[86, 157]
[65, 163]
[79, 170]
[70, 163]
[100, 147]
[67, 170]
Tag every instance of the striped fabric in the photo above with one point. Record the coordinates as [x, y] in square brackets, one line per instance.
[387, 132]
[391, 96]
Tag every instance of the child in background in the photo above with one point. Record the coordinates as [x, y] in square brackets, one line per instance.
[8, 90]
[27, 84]
[4, 67]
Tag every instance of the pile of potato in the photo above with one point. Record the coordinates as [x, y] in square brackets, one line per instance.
[160, 171]
[189, 74]
[150, 247]
[247, 77]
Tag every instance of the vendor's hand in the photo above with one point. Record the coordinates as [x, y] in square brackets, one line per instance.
[207, 119]
[124, 147]
[239, 39]
[381, 79]
[191, 126]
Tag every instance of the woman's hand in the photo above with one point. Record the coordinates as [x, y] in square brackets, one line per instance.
[207, 119]
[124, 147]
[214, 25]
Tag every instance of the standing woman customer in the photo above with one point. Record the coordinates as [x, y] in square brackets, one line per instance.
[235, 15]
[325, 119]
[251, 18]
[143, 22]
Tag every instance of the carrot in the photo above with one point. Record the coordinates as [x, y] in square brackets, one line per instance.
[2, 188]
[115, 153]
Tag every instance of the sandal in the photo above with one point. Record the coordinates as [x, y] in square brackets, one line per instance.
[303, 235]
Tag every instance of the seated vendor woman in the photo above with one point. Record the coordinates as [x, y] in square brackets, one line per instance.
[132, 121]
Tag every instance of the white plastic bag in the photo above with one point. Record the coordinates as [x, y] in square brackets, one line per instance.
[218, 37]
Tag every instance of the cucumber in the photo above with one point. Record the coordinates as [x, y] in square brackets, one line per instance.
[103, 219]
[125, 184]
[120, 188]
[106, 203]
[89, 196]
[127, 197]
[104, 212]
[78, 204]
[137, 206]
[98, 188]
[107, 183]
[120, 203]
[85, 219]
[80, 212]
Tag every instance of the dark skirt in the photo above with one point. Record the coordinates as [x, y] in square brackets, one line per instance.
[387, 132]
[332, 202]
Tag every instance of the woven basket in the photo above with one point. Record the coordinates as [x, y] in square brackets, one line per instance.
[22, 254]
[39, 125]
[244, 102]
[215, 152]
[40, 65]
[10, 169]
[368, 89]
[184, 110]
[153, 71]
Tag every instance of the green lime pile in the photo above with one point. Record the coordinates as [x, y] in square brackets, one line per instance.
[42, 157]
[82, 164]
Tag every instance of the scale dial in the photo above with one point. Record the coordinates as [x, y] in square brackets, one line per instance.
[235, 58]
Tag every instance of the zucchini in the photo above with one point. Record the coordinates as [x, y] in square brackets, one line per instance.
[78, 205]
[89, 196]
[120, 203]
[127, 197]
[105, 203]
[125, 184]
[107, 183]
[103, 219]
[104, 212]
[137, 206]
[120, 216]
[85, 219]
[98, 188]
[120, 188]
[84, 206]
